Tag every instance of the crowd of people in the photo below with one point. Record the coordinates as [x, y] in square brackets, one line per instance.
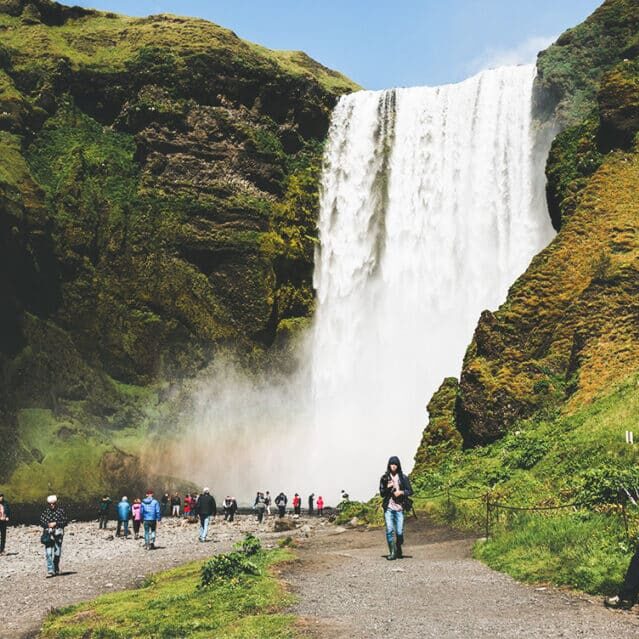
[144, 514]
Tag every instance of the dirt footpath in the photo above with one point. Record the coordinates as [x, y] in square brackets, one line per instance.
[348, 590]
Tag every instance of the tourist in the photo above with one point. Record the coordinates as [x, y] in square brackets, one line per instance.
[53, 520]
[280, 501]
[268, 499]
[151, 515]
[187, 505]
[297, 504]
[206, 508]
[103, 511]
[230, 506]
[320, 506]
[124, 513]
[395, 490]
[311, 499]
[5, 513]
[630, 588]
[176, 502]
[165, 503]
[136, 511]
[260, 506]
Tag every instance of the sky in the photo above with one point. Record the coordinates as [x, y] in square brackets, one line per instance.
[383, 43]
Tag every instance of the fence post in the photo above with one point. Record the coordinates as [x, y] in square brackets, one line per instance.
[448, 497]
[488, 507]
[625, 519]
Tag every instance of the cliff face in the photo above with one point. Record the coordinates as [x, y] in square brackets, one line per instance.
[569, 328]
[158, 193]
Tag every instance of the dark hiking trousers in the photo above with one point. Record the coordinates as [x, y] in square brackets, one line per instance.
[630, 588]
[3, 535]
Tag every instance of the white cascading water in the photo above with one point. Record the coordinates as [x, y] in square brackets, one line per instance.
[432, 204]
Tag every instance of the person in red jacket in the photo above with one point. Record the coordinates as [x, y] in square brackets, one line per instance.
[297, 505]
[320, 506]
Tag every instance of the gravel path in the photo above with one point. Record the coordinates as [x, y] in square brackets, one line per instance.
[94, 562]
[348, 590]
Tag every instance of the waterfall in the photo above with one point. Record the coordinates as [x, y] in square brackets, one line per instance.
[431, 206]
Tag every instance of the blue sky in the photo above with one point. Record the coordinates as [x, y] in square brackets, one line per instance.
[386, 43]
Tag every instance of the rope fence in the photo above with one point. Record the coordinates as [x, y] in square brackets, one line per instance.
[492, 506]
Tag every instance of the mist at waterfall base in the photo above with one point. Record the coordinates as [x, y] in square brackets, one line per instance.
[432, 204]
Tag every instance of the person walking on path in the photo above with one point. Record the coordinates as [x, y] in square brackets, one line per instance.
[230, 506]
[176, 502]
[53, 520]
[320, 506]
[136, 512]
[297, 505]
[269, 501]
[5, 513]
[627, 596]
[311, 499]
[103, 511]
[206, 508]
[260, 506]
[395, 490]
[280, 501]
[165, 504]
[124, 514]
[151, 515]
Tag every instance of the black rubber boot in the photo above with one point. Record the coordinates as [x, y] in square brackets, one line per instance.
[400, 541]
[392, 551]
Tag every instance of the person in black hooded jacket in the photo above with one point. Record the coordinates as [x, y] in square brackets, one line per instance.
[394, 487]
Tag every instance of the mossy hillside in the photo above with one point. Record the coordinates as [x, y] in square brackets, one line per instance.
[159, 189]
[570, 71]
[170, 604]
[580, 458]
[568, 328]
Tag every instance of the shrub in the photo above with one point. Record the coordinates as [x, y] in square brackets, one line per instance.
[229, 567]
[250, 545]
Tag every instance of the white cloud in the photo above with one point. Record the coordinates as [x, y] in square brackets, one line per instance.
[524, 53]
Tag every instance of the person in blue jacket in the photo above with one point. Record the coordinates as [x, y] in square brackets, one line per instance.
[124, 514]
[151, 515]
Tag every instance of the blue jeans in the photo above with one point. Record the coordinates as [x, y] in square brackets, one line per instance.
[52, 554]
[204, 526]
[149, 532]
[394, 520]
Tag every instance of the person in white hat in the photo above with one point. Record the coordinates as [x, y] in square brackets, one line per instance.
[53, 520]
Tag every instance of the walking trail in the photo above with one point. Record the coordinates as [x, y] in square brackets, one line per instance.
[348, 590]
[345, 586]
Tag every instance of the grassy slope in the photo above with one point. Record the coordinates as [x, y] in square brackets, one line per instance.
[108, 41]
[578, 458]
[171, 605]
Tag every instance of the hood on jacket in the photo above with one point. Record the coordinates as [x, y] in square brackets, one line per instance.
[394, 460]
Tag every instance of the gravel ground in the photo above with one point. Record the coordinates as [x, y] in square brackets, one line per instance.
[94, 562]
[348, 590]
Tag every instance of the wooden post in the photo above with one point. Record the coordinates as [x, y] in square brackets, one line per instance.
[487, 515]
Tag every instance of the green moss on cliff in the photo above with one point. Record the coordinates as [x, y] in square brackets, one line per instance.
[158, 184]
[570, 71]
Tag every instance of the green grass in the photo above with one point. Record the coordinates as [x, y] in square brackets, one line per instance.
[577, 458]
[171, 605]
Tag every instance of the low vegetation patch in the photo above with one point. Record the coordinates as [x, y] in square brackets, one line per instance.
[218, 598]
